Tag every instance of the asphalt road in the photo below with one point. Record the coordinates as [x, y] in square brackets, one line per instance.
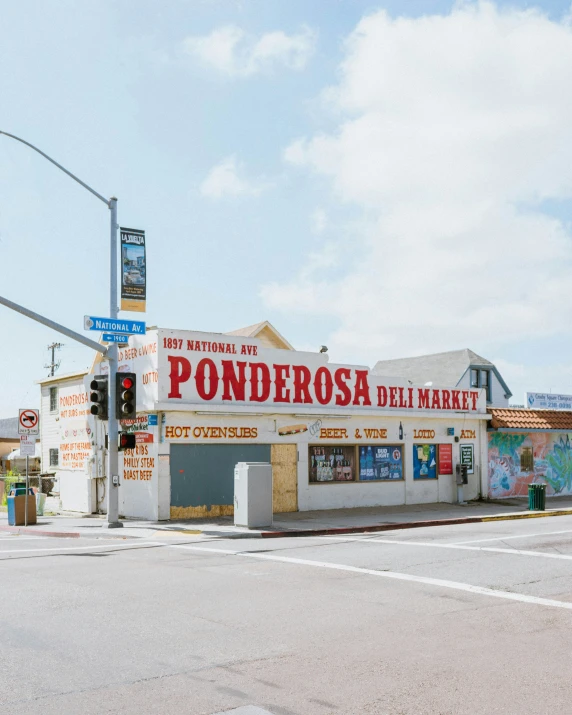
[461, 619]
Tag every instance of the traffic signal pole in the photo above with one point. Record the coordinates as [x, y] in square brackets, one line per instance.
[110, 352]
[112, 430]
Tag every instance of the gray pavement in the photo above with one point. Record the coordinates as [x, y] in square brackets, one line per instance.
[356, 518]
[461, 619]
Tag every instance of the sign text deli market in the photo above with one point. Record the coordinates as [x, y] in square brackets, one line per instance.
[223, 380]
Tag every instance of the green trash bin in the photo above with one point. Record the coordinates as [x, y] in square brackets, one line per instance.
[536, 497]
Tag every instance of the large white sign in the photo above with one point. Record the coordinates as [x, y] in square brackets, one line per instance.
[209, 369]
[547, 401]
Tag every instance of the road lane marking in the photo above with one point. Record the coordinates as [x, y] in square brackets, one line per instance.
[455, 585]
[460, 547]
[517, 536]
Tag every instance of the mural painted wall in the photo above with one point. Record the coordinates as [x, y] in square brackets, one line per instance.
[552, 463]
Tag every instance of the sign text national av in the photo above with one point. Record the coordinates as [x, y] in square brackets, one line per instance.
[114, 325]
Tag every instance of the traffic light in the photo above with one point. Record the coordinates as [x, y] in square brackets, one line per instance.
[126, 441]
[99, 396]
[126, 395]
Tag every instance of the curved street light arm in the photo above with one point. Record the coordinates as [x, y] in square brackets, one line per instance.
[49, 158]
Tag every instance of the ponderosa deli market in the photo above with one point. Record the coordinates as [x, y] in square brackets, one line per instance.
[336, 435]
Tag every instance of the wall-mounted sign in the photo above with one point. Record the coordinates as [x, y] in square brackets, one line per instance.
[445, 456]
[210, 369]
[468, 434]
[547, 401]
[466, 455]
[133, 270]
[424, 461]
[199, 432]
[450, 431]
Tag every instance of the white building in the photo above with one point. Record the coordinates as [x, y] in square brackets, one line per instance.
[336, 435]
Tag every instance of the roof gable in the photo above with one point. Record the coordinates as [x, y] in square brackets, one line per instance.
[266, 333]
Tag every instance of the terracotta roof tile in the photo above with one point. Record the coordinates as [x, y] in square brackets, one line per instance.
[531, 419]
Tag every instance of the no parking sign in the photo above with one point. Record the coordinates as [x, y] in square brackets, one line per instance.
[29, 422]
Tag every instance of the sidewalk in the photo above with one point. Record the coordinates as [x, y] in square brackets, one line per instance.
[334, 521]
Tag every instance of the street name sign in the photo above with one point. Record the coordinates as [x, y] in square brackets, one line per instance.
[119, 338]
[29, 422]
[27, 445]
[115, 325]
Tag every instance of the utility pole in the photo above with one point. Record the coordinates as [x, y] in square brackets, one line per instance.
[53, 366]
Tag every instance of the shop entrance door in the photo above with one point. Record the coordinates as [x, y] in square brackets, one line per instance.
[202, 475]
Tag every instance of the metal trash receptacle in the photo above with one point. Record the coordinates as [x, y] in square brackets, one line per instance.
[16, 502]
[536, 497]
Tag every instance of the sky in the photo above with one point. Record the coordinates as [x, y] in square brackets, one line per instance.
[388, 179]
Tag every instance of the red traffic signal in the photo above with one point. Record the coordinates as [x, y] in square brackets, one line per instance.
[126, 395]
[126, 441]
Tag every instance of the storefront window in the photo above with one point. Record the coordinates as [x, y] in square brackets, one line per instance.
[380, 463]
[332, 464]
[424, 461]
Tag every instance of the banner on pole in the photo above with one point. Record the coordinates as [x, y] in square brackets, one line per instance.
[133, 270]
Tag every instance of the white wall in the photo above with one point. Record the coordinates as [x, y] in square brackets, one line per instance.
[76, 489]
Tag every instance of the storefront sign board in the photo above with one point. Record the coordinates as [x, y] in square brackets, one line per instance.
[466, 454]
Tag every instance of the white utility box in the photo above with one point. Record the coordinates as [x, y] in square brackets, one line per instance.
[253, 494]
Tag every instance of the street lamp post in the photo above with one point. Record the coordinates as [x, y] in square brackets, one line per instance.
[111, 352]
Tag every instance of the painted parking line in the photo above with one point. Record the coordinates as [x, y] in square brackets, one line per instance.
[461, 547]
[441, 583]
[516, 536]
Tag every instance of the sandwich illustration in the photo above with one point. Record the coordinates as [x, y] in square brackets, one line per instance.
[292, 429]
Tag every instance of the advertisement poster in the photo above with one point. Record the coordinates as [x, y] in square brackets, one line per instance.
[445, 459]
[133, 270]
[332, 464]
[424, 461]
[377, 463]
[466, 457]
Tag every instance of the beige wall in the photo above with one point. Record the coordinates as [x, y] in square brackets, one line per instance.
[7, 446]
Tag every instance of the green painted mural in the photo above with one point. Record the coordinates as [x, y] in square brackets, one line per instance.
[552, 463]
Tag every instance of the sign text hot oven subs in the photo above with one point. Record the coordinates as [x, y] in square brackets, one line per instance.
[221, 381]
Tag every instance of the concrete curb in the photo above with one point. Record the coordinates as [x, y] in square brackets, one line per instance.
[40, 532]
[290, 533]
[413, 524]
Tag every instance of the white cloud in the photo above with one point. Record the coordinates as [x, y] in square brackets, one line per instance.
[451, 130]
[231, 52]
[223, 180]
[319, 220]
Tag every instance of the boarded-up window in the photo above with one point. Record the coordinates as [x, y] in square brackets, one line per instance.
[526, 460]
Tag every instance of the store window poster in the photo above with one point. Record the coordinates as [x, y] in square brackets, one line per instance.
[380, 463]
[424, 461]
[332, 464]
